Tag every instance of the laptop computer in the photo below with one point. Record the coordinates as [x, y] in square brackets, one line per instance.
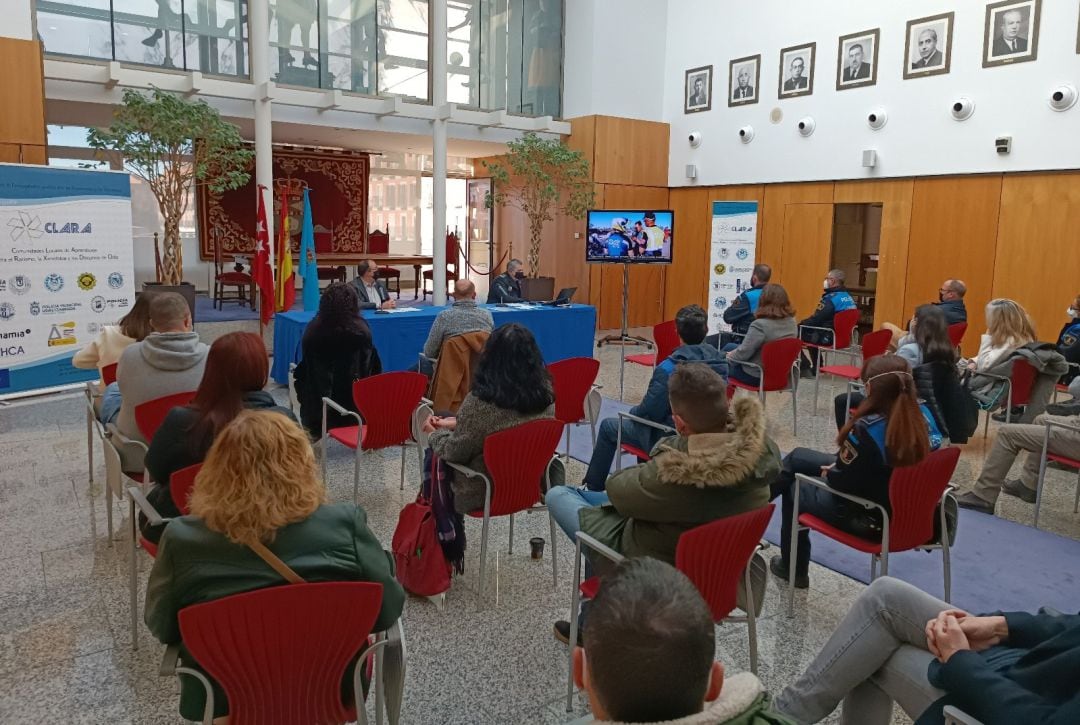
[563, 298]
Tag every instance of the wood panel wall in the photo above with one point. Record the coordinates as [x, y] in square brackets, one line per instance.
[22, 115]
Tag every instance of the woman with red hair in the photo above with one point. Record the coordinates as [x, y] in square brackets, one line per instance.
[236, 373]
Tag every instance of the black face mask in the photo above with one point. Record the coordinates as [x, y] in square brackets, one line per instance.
[940, 297]
[375, 274]
[519, 275]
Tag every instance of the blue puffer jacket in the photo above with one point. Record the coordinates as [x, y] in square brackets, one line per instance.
[655, 406]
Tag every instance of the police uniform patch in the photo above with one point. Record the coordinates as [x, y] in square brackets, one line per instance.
[848, 453]
[1068, 340]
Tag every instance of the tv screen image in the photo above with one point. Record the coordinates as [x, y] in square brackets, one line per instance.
[643, 236]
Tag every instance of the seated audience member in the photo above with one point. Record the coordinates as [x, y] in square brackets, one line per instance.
[741, 311]
[236, 373]
[106, 349]
[897, 643]
[951, 302]
[170, 360]
[711, 469]
[461, 317]
[1012, 439]
[647, 607]
[889, 429]
[511, 386]
[370, 289]
[774, 319]
[338, 350]
[834, 299]
[691, 324]
[1068, 344]
[507, 286]
[259, 485]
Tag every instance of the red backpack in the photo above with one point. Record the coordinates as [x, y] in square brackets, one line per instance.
[421, 565]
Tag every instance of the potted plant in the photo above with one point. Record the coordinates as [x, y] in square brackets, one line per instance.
[541, 177]
[174, 144]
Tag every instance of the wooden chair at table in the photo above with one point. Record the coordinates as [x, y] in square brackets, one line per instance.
[379, 243]
[242, 281]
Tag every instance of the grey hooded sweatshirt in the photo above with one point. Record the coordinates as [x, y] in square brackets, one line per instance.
[165, 363]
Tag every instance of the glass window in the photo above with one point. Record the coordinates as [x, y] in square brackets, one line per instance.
[403, 48]
[215, 33]
[81, 29]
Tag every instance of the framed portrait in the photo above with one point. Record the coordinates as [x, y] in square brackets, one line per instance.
[1012, 32]
[743, 77]
[928, 51]
[698, 92]
[797, 71]
[856, 61]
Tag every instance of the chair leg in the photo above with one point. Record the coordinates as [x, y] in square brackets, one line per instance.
[511, 549]
[575, 603]
[356, 476]
[946, 565]
[794, 409]
[1042, 477]
[322, 455]
[1076, 499]
[133, 580]
[751, 618]
[483, 550]
[90, 445]
[794, 555]
[873, 567]
[817, 385]
[402, 467]
[554, 552]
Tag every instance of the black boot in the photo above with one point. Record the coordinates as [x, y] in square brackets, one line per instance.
[151, 41]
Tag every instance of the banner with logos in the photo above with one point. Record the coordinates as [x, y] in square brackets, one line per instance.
[734, 241]
[66, 269]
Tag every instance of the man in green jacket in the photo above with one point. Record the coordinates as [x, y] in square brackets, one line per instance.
[713, 468]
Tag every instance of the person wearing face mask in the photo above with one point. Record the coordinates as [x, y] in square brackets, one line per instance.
[372, 291]
[507, 286]
[1068, 344]
[834, 299]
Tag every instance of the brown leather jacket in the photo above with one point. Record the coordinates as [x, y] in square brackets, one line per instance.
[453, 373]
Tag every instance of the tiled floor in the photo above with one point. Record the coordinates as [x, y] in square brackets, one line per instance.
[65, 642]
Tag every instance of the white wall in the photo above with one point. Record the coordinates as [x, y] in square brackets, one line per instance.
[920, 138]
[18, 18]
[614, 58]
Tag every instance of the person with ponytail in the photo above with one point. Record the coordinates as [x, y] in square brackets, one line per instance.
[890, 428]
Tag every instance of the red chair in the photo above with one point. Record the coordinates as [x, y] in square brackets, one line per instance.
[573, 381]
[873, 344]
[640, 453]
[108, 373]
[916, 494]
[956, 333]
[1062, 387]
[241, 280]
[516, 459]
[379, 243]
[281, 653]
[714, 556]
[1057, 458]
[844, 324]
[386, 404]
[1017, 391]
[666, 338]
[778, 372]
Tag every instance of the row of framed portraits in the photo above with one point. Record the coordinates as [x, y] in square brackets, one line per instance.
[1011, 35]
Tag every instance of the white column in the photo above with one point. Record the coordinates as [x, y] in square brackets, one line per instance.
[438, 142]
[259, 50]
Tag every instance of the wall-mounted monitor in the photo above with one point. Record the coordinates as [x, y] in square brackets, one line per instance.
[644, 236]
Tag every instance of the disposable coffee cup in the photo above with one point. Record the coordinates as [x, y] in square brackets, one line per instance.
[537, 544]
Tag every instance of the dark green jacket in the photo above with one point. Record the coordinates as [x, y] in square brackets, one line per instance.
[195, 564]
[690, 481]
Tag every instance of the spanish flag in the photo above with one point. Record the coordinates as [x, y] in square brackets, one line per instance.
[286, 280]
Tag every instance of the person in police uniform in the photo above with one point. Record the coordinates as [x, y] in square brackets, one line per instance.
[834, 299]
[741, 312]
[1068, 344]
[507, 286]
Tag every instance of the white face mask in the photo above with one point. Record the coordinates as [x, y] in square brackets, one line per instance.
[825, 284]
[1071, 312]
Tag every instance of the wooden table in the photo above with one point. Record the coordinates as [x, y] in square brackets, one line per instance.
[416, 261]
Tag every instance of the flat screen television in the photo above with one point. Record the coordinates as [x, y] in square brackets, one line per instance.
[644, 236]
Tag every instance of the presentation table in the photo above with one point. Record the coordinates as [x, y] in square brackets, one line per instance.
[561, 332]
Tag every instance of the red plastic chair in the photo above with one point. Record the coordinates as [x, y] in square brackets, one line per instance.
[714, 556]
[916, 494]
[516, 459]
[666, 338]
[844, 324]
[93, 393]
[150, 415]
[574, 381]
[778, 372]
[1048, 456]
[108, 373]
[640, 453]
[281, 653]
[386, 404]
[1017, 391]
[956, 333]
[873, 344]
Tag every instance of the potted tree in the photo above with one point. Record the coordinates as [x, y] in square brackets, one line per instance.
[174, 144]
[540, 177]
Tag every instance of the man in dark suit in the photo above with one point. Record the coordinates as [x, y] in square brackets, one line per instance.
[1009, 42]
[856, 69]
[797, 81]
[507, 287]
[929, 55]
[698, 97]
[744, 89]
[373, 294]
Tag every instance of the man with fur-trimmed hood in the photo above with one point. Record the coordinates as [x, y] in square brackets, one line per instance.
[717, 466]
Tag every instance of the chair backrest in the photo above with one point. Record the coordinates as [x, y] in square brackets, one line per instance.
[379, 242]
[875, 343]
[714, 556]
[666, 337]
[280, 653]
[1022, 381]
[516, 458]
[180, 485]
[914, 493]
[108, 373]
[150, 415]
[956, 333]
[572, 379]
[777, 357]
[386, 403]
[844, 324]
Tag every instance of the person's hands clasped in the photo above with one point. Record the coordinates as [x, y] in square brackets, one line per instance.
[434, 423]
[945, 636]
[388, 305]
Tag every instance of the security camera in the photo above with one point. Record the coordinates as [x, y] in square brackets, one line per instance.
[1063, 98]
[962, 108]
[746, 134]
[877, 118]
[695, 139]
[807, 126]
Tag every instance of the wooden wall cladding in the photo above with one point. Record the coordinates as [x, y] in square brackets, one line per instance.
[808, 241]
[630, 152]
[22, 116]
[772, 219]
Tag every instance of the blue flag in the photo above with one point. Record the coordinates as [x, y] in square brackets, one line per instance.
[308, 269]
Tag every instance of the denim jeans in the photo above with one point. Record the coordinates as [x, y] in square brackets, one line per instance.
[604, 451]
[812, 500]
[876, 656]
[110, 403]
[564, 503]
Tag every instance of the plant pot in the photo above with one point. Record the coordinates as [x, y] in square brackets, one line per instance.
[184, 289]
[538, 289]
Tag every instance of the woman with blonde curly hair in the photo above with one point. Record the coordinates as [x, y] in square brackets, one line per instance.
[259, 485]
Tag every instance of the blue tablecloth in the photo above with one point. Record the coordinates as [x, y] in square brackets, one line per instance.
[561, 332]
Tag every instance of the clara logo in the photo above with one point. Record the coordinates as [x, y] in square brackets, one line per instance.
[54, 282]
[19, 284]
[97, 304]
[68, 228]
[743, 253]
[116, 280]
[25, 225]
[87, 281]
[7, 310]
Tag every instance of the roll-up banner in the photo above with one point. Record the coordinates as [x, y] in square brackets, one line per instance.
[734, 238]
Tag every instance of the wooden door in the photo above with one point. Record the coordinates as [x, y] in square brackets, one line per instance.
[806, 253]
